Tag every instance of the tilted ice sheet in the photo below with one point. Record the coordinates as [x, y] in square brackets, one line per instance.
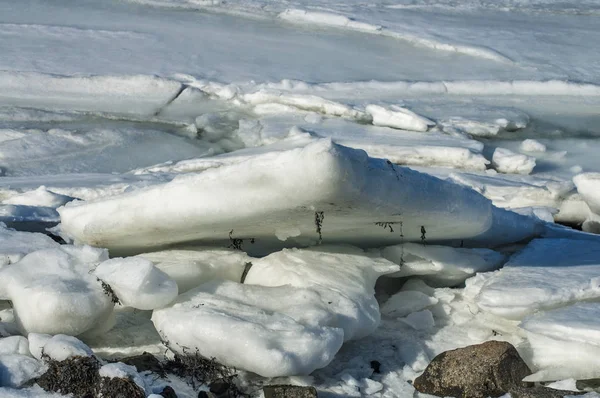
[546, 274]
[322, 192]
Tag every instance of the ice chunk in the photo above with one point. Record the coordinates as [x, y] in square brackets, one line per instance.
[399, 118]
[14, 245]
[404, 303]
[343, 275]
[14, 345]
[421, 320]
[16, 370]
[137, 282]
[244, 336]
[531, 145]
[39, 197]
[506, 161]
[192, 267]
[247, 202]
[548, 273]
[442, 265]
[588, 185]
[53, 292]
[565, 343]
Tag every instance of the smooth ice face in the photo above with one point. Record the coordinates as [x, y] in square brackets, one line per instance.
[53, 292]
[548, 273]
[565, 342]
[247, 337]
[190, 268]
[322, 191]
[442, 265]
[344, 276]
[137, 282]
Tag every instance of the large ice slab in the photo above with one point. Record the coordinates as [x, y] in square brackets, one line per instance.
[322, 192]
[243, 327]
[565, 343]
[547, 274]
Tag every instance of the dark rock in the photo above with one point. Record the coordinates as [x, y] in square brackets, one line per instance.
[540, 392]
[168, 392]
[285, 391]
[145, 362]
[204, 394]
[376, 366]
[219, 387]
[485, 370]
[78, 376]
[118, 387]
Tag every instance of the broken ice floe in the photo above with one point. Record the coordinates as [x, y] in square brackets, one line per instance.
[321, 192]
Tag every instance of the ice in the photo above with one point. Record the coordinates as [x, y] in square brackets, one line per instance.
[39, 197]
[14, 245]
[16, 370]
[548, 273]
[28, 392]
[564, 342]
[244, 336]
[588, 186]
[137, 282]
[404, 303]
[421, 320]
[14, 345]
[442, 265]
[506, 161]
[52, 291]
[345, 276]
[194, 266]
[398, 118]
[531, 145]
[59, 347]
[352, 194]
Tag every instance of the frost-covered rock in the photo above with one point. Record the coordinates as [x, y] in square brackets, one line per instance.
[192, 267]
[52, 291]
[342, 275]
[506, 161]
[247, 337]
[323, 191]
[546, 274]
[442, 265]
[58, 347]
[565, 343]
[137, 282]
[17, 369]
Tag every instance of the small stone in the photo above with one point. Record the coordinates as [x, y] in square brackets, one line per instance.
[484, 370]
[219, 387]
[376, 366]
[168, 392]
[144, 362]
[287, 391]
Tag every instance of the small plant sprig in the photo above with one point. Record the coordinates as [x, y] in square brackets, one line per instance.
[109, 291]
[237, 243]
[319, 217]
[247, 267]
[386, 225]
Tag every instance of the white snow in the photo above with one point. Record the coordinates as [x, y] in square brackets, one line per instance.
[14, 345]
[506, 161]
[398, 118]
[58, 347]
[548, 273]
[53, 292]
[137, 282]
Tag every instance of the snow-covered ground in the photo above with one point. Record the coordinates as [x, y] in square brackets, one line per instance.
[299, 187]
